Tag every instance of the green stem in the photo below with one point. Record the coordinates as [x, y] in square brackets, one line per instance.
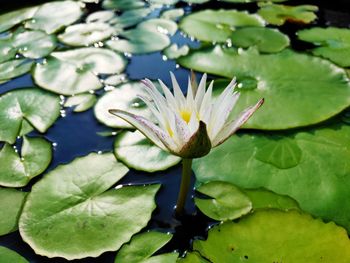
[185, 184]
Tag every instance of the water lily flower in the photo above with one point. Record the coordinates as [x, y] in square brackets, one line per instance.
[189, 126]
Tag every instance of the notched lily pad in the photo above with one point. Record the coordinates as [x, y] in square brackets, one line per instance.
[138, 152]
[75, 71]
[10, 19]
[332, 43]
[75, 198]
[303, 85]
[217, 25]
[320, 187]
[280, 14]
[143, 246]
[174, 51]
[225, 202]
[280, 237]
[11, 207]
[123, 97]
[18, 169]
[82, 102]
[37, 107]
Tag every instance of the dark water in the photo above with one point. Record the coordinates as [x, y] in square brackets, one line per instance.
[76, 134]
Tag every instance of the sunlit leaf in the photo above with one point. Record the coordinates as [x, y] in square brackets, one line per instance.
[174, 51]
[14, 68]
[82, 102]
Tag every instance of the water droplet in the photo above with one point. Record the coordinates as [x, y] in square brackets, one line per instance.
[63, 113]
[128, 55]
[54, 144]
[33, 21]
[91, 91]
[108, 88]
[100, 44]
[18, 137]
[162, 30]
[192, 38]
[118, 186]
[22, 159]
[14, 147]
[177, 66]
[99, 152]
[96, 45]
[114, 133]
[17, 56]
[164, 57]
[229, 42]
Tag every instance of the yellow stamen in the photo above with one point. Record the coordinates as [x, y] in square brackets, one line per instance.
[186, 116]
[169, 130]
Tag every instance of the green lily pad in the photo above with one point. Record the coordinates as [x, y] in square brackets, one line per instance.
[174, 51]
[115, 80]
[53, 16]
[280, 14]
[17, 170]
[75, 71]
[14, 68]
[7, 52]
[130, 18]
[192, 257]
[276, 236]
[262, 198]
[75, 199]
[11, 206]
[86, 34]
[37, 107]
[82, 102]
[217, 25]
[136, 151]
[173, 14]
[122, 5]
[143, 246]
[226, 201]
[124, 97]
[320, 187]
[265, 39]
[302, 89]
[100, 16]
[10, 19]
[148, 36]
[334, 43]
[7, 255]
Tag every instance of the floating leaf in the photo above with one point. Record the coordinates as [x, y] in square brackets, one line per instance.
[17, 171]
[193, 257]
[115, 80]
[7, 256]
[82, 102]
[279, 14]
[136, 151]
[217, 25]
[122, 5]
[14, 68]
[143, 246]
[276, 236]
[320, 187]
[86, 34]
[174, 51]
[75, 199]
[100, 16]
[334, 43]
[226, 201]
[173, 14]
[10, 206]
[130, 18]
[10, 19]
[265, 39]
[6, 50]
[262, 198]
[39, 108]
[302, 89]
[124, 97]
[53, 16]
[74, 71]
[148, 36]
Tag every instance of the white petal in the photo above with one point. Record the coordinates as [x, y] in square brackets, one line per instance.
[230, 128]
[149, 129]
[189, 98]
[179, 96]
[200, 92]
[168, 95]
[207, 100]
[182, 132]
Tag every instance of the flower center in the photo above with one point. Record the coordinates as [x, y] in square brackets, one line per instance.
[186, 116]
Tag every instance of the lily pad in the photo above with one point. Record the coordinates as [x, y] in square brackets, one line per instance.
[122, 5]
[14, 68]
[130, 18]
[124, 97]
[75, 71]
[75, 199]
[143, 246]
[7, 52]
[17, 170]
[276, 236]
[265, 39]
[100, 16]
[334, 43]
[11, 206]
[37, 107]
[302, 89]
[280, 14]
[174, 51]
[136, 151]
[53, 16]
[320, 187]
[226, 201]
[82, 102]
[10, 19]
[173, 14]
[217, 25]
[148, 36]
[7, 255]
[86, 34]
[192, 257]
